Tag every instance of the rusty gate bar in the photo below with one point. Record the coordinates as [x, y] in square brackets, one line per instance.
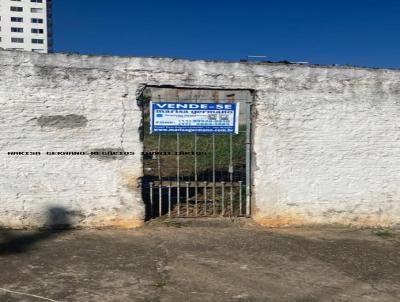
[174, 184]
[248, 156]
[159, 157]
[159, 177]
[187, 199]
[231, 170]
[177, 174]
[240, 199]
[151, 199]
[160, 201]
[195, 174]
[213, 172]
[195, 171]
[222, 198]
[169, 201]
[205, 198]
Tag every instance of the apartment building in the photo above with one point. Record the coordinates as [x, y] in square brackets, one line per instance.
[26, 25]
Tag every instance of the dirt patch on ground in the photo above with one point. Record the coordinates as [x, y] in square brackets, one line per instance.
[201, 260]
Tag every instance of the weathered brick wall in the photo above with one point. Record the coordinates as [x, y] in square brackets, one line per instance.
[326, 140]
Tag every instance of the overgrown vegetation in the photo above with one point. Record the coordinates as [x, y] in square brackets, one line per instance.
[384, 233]
[168, 145]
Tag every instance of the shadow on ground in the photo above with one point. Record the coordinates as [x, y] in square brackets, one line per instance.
[14, 242]
[206, 260]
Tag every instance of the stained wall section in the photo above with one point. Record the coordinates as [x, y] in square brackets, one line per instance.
[326, 142]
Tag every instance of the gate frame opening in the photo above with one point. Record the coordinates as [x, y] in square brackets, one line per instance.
[250, 156]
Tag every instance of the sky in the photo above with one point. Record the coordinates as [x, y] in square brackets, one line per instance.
[356, 32]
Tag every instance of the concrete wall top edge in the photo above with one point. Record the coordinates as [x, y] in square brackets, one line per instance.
[83, 61]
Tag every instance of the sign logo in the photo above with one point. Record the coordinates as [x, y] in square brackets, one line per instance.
[167, 117]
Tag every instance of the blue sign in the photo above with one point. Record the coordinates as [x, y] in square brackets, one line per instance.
[166, 117]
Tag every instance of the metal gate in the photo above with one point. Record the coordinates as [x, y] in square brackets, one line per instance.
[197, 175]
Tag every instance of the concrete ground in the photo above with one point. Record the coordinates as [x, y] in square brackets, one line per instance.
[201, 260]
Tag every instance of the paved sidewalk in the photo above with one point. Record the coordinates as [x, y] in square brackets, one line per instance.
[201, 260]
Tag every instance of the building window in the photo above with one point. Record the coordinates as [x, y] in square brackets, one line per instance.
[16, 9]
[37, 41]
[17, 29]
[37, 20]
[37, 1]
[17, 40]
[17, 19]
[37, 31]
[36, 10]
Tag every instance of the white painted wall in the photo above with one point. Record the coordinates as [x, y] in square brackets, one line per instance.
[327, 144]
[326, 139]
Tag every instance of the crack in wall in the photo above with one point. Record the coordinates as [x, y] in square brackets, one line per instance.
[123, 130]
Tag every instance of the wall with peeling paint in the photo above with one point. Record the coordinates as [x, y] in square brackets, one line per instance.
[68, 107]
[326, 139]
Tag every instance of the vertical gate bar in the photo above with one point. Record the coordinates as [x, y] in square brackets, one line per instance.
[159, 177]
[195, 174]
[240, 198]
[159, 157]
[187, 199]
[223, 198]
[169, 200]
[213, 172]
[205, 198]
[248, 157]
[160, 200]
[177, 174]
[151, 200]
[231, 170]
[195, 170]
